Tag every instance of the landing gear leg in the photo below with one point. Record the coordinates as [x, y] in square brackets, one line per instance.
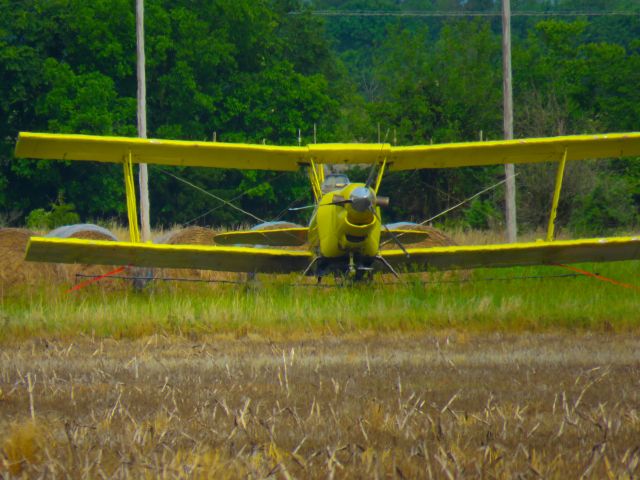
[388, 265]
[363, 267]
[364, 274]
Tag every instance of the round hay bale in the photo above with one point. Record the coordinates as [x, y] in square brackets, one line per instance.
[15, 272]
[436, 237]
[87, 231]
[188, 236]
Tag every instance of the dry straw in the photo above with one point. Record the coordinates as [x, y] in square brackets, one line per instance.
[190, 236]
[15, 272]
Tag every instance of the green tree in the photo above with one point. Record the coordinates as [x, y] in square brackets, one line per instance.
[241, 68]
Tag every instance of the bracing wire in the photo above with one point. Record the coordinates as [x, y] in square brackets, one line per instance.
[222, 200]
[212, 195]
[237, 197]
[467, 200]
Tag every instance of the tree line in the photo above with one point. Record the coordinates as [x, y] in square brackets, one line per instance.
[251, 71]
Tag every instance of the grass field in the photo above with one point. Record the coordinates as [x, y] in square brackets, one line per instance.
[483, 300]
[521, 372]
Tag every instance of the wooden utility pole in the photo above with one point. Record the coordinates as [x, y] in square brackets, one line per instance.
[143, 179]
[509, 170]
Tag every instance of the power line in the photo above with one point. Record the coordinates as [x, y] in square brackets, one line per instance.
[413, 14]
[326, 285]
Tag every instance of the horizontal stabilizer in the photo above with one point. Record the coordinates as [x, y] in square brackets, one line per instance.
[515, 254]
[282, 237]
[405, 236]
[227, 259]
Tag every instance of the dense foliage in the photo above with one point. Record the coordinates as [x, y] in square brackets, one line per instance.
[249, 70]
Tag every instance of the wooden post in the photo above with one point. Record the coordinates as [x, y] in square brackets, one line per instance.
[509, 170]
[143, 178]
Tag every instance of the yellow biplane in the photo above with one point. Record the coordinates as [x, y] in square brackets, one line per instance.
[346, 230]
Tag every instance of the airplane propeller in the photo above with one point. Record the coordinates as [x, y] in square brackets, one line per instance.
[340, 200]
[381, 201]
[391, 234]
[364, 199]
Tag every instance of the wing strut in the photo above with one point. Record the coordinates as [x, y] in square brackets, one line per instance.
[132, 208]
[380, 175]
[315, 175]
[556, 197]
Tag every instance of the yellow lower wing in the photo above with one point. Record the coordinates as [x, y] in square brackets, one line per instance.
[228, 259]
[515, 254]
[282, 237]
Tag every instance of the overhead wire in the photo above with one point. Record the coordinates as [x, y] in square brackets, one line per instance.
[338, 285]
[418, 14]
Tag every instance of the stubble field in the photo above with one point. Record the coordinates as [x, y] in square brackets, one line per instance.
[445, 405]
[514, 373]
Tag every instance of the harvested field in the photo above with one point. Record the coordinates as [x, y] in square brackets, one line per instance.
[448, 405]
[522, 372]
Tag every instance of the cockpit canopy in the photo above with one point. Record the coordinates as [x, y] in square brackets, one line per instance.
[334, 181]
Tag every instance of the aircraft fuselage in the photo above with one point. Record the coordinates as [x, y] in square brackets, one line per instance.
[344, 231]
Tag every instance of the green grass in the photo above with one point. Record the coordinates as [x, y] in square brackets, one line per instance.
[275, 308]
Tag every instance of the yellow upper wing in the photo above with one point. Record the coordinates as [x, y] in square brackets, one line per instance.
[161, 152]
[515, 254]
[192, 154]
[228, 259]
[267, 157]
[531, 150]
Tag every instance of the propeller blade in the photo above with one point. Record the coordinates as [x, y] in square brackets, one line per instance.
[371, 177]
[393, 235]
[306, 207]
